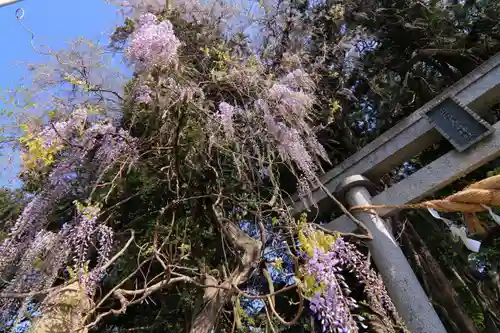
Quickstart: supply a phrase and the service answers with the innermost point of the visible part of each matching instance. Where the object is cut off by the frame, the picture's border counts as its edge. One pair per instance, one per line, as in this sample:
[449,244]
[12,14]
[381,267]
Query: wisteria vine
[265,125]
[324,271]
[65,149]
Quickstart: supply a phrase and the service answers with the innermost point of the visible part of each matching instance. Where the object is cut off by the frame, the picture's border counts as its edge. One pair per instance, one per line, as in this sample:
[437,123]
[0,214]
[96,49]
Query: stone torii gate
[8,2]
[455,114]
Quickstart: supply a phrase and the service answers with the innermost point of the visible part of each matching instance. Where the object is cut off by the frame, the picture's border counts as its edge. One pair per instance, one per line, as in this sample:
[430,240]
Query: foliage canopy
[161,201]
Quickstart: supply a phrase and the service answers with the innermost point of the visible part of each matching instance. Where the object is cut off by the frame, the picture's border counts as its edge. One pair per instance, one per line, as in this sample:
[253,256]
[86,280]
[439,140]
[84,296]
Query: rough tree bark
[443,291]
[215,298]
[63,311]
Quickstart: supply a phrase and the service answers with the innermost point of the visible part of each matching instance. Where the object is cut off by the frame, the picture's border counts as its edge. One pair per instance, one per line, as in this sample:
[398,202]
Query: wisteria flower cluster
[288,111]
[79,235]
[374,288]
[37,255]
[144,95]
[285,106]
[30,222]
[39,147]
[285,110]
[194,11]
[153,43]
[29,272]
[330,300]
[226,114]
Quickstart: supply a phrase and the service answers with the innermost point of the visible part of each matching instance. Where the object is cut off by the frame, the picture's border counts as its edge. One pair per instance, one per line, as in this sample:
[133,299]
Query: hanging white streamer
[472,244]
[494,216]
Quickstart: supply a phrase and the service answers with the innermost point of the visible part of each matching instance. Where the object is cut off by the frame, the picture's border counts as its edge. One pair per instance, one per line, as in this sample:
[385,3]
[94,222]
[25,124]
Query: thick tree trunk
[63,311]
[214,299]
[442,288]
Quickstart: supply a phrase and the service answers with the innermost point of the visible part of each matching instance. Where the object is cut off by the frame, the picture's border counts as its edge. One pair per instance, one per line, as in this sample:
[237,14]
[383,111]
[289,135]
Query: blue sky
[54,22]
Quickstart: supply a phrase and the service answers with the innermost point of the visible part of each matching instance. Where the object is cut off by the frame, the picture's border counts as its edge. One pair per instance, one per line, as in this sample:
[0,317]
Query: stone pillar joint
[401,283]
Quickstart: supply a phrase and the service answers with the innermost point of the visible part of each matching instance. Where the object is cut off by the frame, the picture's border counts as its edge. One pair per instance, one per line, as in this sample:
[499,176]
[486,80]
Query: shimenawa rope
[471,199]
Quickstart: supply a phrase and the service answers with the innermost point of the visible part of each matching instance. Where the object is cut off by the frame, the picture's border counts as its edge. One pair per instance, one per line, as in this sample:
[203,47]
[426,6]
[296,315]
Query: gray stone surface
[402,285]
[8,2]
[478,90]
[461,126]
[432,177]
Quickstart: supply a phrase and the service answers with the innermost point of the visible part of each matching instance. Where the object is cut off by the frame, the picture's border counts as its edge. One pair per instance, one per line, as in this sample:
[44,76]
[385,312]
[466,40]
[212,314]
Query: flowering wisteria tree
[167,196]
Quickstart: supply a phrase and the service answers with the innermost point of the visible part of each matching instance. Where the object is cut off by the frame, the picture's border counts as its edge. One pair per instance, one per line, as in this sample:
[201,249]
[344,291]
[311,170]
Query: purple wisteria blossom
[374,288]
[226,113]
[30,222]
[287,111]
[28,274]
[290,145]
[332,304]
[304,190]
[114,145]
[38,255]
[282,117]
[289,100]
[79,235]
[105,238]
[153,43]
[143,95]
[298,80]
[56,133]
[84,231]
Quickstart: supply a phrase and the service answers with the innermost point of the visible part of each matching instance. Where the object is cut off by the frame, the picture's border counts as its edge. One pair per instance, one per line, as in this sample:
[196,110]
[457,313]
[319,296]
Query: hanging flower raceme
[331,303]
[153,43]
[299,80]
[79,235]
[287,112]
[29,272]
[113,144]
[143,95]
[32,257]
[328,259]
[280,116]
[38,148]
[29,223]
[226,114]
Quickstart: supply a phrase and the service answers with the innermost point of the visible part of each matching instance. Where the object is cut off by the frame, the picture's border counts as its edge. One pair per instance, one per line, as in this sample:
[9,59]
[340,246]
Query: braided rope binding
[470,200]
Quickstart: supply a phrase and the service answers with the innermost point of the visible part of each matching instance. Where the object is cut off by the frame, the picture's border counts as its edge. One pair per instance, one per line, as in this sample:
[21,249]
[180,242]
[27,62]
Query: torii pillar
[402,285]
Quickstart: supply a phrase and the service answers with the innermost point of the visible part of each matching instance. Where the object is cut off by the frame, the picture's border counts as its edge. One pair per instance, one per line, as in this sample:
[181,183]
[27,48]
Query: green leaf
[51,113]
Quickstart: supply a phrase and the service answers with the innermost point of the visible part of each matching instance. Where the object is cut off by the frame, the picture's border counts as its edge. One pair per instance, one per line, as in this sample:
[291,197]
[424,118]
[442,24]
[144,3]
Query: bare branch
[119,253]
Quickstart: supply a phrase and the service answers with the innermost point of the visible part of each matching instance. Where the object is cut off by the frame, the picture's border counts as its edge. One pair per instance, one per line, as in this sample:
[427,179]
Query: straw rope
[470,200]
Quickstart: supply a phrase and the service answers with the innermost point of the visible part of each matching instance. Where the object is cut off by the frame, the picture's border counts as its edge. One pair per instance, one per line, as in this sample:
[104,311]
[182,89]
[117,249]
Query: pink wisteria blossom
[153,43]
[100,143]
[143,95]
[226,113]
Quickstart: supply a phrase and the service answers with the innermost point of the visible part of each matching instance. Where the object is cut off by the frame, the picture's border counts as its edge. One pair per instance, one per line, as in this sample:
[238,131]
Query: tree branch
[216,298]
